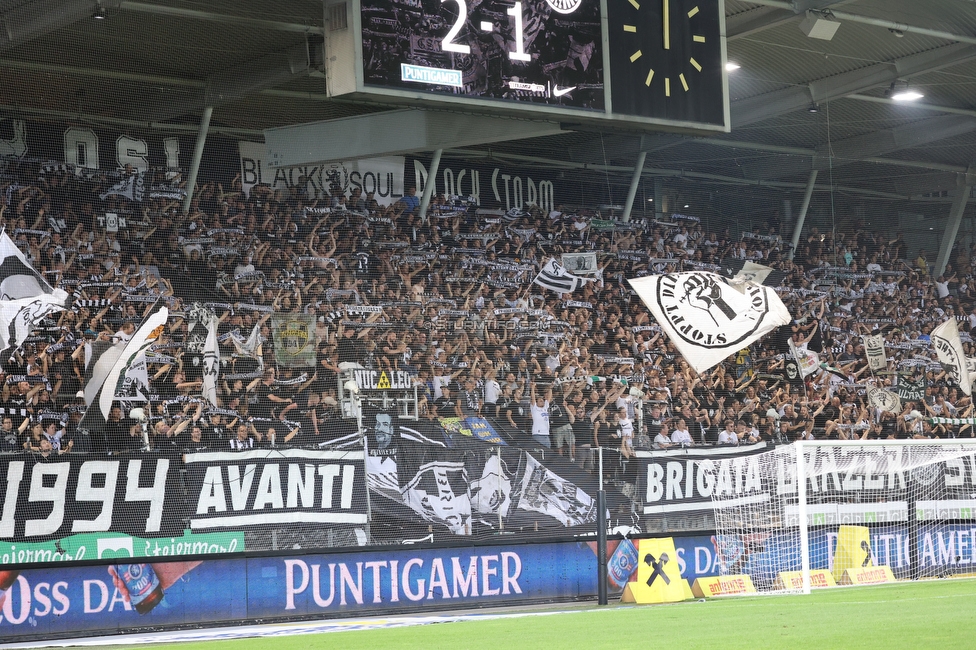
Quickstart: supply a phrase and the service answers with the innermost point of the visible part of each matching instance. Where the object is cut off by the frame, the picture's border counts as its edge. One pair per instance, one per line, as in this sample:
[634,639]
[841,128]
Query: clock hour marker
[487,26]
[683,82]
[634,2]
[698,39]
[693,12]
[630,28]
[666,19]
[636,55]
[667,87]
[650,75]
[696,64]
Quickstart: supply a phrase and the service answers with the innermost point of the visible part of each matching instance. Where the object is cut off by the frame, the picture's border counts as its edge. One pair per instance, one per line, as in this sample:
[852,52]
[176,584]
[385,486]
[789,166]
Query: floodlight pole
[601,535]
[435,163]
[191,181]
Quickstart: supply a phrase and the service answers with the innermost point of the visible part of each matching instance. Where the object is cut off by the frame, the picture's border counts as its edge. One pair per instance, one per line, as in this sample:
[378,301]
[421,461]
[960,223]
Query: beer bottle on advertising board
[7,579]
[145,590]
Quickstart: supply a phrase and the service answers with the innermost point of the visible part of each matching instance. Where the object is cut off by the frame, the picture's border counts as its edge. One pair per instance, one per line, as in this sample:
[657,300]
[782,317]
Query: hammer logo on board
[658,568]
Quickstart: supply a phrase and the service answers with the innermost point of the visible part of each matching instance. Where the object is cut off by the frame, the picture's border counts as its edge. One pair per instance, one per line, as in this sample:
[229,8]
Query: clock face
[666,59]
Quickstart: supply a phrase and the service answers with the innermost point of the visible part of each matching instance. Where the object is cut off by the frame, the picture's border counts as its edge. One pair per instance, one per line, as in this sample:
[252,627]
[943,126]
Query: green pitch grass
[927,614]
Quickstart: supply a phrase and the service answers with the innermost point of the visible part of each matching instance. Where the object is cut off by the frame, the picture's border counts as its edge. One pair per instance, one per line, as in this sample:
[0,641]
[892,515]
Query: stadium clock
[666,59]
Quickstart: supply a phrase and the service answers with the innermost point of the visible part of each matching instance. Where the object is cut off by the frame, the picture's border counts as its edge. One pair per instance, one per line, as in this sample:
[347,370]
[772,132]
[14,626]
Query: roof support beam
[870,145]
[769,105]
[245,79]
[755,20]
[33,19]
[224,19]
[952,228]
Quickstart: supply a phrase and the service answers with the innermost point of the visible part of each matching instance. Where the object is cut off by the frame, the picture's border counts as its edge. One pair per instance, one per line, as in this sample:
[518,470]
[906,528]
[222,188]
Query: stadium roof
[159,63]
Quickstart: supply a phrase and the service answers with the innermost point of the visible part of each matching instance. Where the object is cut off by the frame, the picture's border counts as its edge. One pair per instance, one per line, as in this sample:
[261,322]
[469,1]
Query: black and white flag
[555,278]
[945,340]
[211,363]
[25,296]
[747,270]
[580,263]
[544,492]
[883,399]
[131,187]
[874,349]
[706,317]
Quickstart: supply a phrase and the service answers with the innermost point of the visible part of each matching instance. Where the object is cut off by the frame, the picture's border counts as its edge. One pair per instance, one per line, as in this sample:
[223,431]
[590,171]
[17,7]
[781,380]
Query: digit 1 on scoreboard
[519,53]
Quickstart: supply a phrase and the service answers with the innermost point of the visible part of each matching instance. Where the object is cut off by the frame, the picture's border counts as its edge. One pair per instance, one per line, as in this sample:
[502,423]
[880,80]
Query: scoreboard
[640,64]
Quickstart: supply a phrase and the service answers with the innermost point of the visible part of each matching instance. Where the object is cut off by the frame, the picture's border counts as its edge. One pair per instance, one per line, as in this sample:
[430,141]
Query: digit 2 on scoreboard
[527,51]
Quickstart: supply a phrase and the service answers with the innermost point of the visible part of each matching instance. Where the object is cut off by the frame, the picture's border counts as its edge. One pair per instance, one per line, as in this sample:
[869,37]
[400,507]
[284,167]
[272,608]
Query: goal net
[863,506]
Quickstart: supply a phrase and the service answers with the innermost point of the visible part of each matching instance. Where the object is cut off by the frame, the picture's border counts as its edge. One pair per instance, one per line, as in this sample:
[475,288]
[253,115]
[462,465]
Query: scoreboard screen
[533,51]
[647,62]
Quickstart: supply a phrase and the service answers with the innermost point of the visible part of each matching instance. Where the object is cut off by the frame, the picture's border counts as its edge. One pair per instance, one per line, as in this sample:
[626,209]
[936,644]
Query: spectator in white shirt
[662,440]
[727,435]
[681,431]
[681,435]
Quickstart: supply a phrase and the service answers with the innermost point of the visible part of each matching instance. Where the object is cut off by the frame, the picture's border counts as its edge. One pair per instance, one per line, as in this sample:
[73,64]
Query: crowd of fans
[452,302]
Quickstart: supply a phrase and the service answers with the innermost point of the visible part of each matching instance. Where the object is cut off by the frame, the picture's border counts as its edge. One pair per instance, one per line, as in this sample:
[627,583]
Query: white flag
[146,335]
[885,400]
[707,318]
[874,349]
[25,296]
[555,278]
[808,360]
[211,363]
[945,340]
[131,187]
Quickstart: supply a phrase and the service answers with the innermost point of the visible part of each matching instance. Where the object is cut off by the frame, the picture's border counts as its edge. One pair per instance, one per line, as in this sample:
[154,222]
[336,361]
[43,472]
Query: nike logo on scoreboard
[559,92]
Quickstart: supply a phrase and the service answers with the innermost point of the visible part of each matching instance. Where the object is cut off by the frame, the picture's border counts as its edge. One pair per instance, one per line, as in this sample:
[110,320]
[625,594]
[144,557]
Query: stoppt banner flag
[706,317]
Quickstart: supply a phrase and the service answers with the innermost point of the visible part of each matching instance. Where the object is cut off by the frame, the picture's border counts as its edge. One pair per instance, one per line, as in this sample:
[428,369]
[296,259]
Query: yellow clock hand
[667,25]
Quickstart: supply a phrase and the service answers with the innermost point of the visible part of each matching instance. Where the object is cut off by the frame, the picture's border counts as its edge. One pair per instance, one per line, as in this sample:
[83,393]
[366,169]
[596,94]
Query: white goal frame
[802,451]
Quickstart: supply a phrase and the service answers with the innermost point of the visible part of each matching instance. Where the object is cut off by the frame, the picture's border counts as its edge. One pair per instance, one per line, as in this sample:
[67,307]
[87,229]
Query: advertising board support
[601,535]
[357,406]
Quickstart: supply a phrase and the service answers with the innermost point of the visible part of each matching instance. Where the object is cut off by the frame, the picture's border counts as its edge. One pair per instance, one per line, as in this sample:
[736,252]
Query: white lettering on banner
[132,151]
[271,500]
[81,147]
[383,379]
[89,474]
[440,580]
[16,146]
[55,495]
[518,192]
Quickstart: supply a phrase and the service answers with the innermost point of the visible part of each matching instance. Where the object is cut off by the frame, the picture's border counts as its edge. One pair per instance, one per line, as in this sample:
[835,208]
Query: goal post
[864,511]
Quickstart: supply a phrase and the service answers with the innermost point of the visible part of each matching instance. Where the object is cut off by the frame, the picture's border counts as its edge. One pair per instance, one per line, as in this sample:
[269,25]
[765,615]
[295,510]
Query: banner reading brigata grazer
[275,487]
[683,481]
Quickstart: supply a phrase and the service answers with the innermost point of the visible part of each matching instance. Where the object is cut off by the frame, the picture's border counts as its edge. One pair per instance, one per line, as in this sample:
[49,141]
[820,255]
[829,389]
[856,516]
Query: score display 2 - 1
[531,51]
